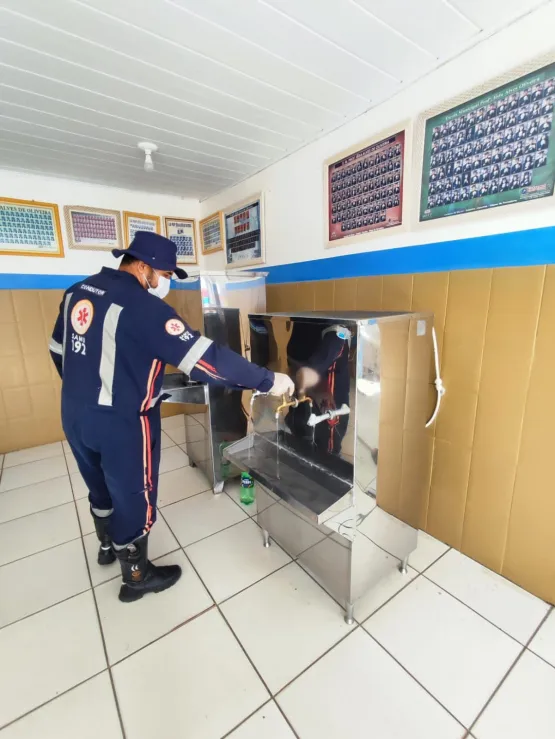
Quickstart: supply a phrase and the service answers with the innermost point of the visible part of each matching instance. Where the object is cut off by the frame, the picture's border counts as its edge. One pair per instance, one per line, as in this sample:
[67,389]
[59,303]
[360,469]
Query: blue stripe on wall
[37,282]
[515,249]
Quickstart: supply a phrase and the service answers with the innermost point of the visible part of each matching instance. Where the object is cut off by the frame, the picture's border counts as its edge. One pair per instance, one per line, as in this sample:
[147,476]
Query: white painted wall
[293,188]
[69,192]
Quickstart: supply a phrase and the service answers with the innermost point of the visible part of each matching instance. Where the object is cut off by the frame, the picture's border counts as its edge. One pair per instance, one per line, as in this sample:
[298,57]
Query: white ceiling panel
[63,73]
[347,25]
[170,20]
[125,156]
[133,101]
[149,70]
[176,155]
[494,13]
[145,123]
[125,134]
[131,169]
[436,27]
[60,167]
[224,88]
[106,25]
[288,40]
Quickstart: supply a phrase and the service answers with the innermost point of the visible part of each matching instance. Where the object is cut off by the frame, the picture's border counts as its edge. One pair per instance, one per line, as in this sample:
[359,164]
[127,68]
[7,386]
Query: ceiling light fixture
[149,150]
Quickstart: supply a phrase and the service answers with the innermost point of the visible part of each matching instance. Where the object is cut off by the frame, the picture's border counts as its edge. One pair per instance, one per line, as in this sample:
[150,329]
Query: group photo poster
[495,149]
[363,188]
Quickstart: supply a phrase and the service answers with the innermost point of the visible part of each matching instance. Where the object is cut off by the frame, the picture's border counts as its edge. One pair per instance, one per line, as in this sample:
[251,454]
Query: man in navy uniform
[111,342]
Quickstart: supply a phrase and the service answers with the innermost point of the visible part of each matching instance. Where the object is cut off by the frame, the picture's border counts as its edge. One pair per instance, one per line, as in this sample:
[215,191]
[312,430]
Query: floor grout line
[36,482]
[227,623]
[189,497]
[411,581]
[46,608]
[30,461]
[46,549]
[405,669]
[67,502]
[162,636]
[524,649]
[441,587]
[215,605]
[244,721]
[50,700]
[101,630]
[41,510]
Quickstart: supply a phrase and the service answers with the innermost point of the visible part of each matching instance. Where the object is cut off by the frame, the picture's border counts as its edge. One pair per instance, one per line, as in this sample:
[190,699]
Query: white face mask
[162,289]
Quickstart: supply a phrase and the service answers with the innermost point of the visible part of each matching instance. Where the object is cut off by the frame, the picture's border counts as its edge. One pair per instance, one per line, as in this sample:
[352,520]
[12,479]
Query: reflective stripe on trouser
[119,458]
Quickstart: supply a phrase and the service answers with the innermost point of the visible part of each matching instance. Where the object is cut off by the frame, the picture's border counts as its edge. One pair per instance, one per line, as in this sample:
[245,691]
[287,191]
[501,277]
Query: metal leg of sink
[349,614]
[266,536]
[219,488]
[403,567]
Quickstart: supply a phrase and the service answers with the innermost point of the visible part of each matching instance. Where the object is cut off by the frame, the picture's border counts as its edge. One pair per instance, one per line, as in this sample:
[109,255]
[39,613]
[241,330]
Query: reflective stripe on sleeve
[66,310]
[196,352]
[108,353]
[55,347]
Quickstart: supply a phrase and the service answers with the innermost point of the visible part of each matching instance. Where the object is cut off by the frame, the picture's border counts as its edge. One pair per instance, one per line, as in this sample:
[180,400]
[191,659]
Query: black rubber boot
[139,575]
[105,554]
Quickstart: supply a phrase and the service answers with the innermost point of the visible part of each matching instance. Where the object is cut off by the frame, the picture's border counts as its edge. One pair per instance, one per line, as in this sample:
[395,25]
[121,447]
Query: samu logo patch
[82,316]
[175,327]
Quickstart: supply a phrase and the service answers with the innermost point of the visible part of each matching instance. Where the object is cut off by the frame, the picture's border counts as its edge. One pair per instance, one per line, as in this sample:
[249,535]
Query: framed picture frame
[244,233]
[95,229]
[29,228]
[182,231]
[491,146]
[212,231]
[364,187]
[133,222]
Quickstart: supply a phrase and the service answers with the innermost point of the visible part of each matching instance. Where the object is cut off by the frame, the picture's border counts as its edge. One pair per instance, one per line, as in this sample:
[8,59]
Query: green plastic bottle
[225,464]
[247,489]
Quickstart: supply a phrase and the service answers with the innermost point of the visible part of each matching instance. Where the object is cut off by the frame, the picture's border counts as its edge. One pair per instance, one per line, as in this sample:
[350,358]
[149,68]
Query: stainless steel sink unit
[342,473]
[221,302]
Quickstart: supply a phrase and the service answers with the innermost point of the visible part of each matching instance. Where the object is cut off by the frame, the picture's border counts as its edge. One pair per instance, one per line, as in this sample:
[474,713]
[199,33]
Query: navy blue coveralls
[111,342]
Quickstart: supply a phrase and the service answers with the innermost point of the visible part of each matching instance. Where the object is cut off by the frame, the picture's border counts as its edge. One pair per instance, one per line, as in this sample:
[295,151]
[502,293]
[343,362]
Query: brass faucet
[293,403]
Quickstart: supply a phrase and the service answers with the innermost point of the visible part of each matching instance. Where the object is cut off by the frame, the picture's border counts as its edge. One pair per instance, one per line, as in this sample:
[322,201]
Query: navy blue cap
[157,251]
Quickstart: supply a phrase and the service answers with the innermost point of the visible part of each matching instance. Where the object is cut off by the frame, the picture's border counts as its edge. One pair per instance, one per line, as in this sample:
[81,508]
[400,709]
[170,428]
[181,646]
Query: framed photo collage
[490,147]
[32,228]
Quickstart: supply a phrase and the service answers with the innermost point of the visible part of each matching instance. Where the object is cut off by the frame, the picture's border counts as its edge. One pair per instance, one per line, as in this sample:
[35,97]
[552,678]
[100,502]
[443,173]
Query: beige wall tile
[7,313]
[324,295]
[12,372]
[447,501]
[397,292]
[305,296]
[465,326]
[369,293]
[506,365]
[345,294]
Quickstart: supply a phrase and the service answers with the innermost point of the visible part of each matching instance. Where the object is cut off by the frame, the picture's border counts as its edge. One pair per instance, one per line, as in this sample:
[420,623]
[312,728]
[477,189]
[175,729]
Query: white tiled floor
[247,645]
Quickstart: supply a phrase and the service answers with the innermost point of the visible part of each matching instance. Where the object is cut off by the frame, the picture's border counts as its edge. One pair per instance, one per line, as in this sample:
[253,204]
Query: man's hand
[283,385]
[307,378]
